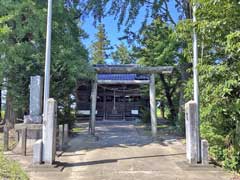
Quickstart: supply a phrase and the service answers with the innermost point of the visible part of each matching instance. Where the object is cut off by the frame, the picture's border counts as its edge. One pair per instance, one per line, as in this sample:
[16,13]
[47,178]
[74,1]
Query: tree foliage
[218,32]
[127,11]
[100,46]
[123,55]
[22,49]
[158,47]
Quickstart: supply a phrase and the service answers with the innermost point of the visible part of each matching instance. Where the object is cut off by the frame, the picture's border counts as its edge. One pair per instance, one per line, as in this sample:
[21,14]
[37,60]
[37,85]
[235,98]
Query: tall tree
[0,105]
[100,46]
[159,47]
[218,31]
[219,78]
[123,55]
[22,47]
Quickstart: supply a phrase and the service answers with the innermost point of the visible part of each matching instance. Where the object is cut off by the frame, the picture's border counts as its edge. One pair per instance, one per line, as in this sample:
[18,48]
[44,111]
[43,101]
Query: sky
[111,27]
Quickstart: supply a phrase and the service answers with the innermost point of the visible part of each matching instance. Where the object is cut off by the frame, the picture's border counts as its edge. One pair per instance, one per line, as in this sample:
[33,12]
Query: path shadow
[105,161]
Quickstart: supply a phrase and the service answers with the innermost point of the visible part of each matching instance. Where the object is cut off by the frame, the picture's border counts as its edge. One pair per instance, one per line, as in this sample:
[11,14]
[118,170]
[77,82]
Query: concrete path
[118,152]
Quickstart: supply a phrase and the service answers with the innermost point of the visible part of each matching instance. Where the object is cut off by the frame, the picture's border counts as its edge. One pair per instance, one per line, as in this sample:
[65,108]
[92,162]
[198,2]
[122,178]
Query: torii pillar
[93,106]
[153,112]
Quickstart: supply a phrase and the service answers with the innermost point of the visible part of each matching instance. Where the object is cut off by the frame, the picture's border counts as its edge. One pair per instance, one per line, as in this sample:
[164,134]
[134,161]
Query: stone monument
[192,137]
[192,129]
[35,108]
[34,117]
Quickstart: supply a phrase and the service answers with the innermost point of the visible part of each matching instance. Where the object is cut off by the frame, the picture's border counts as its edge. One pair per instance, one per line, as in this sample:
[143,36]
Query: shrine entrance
[120,96]
[120,102]
[114,109]
[112,104]
[115,105]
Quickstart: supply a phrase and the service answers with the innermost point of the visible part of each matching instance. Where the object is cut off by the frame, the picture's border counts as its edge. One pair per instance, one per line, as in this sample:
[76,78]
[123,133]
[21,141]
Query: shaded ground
[122,152]
[8,168]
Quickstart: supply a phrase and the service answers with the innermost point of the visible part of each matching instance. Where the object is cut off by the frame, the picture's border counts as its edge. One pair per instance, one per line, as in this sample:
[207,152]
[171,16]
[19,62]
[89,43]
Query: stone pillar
[65,133]
[204,152]
[93,106]
[60,137]
[192,135]
[36,88]
[152,95]
[49,126]
[37,152]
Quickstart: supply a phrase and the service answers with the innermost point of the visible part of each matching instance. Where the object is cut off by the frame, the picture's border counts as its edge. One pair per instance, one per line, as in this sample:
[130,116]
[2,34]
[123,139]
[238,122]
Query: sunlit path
[119,152]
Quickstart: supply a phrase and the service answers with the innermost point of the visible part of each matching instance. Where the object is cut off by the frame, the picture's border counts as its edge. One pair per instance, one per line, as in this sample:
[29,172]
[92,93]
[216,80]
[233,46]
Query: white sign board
[134,112]
[84,112]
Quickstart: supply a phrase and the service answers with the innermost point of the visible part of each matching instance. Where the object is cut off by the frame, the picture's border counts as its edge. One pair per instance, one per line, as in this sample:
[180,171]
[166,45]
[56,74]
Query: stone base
[30,119]
[197,167]
[32,137]
[55,167]
[34,134]
[37,152]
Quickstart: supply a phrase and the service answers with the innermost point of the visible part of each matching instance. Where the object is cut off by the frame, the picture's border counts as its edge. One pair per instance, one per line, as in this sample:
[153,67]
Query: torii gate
[143,70]
[129,70]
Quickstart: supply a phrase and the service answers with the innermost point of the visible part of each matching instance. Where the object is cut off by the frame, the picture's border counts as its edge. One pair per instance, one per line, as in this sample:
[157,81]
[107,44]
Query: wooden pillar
[24,141]
[104,103]
[124,105]
[93,106]
[152,94]
[5,138]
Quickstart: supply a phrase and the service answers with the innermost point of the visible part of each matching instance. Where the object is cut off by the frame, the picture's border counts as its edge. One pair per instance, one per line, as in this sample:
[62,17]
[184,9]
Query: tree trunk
[169,99]
[2,120]
[183,69]
[0,106]
[162,112]
[9,113]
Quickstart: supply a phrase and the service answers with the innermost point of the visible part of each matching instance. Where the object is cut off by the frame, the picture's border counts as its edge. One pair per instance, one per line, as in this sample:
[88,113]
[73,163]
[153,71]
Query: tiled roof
[126,77]
[117,65]
[119,77]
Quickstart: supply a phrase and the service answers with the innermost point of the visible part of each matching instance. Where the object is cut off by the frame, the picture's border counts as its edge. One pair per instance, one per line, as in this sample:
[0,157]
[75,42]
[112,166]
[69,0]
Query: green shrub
[145,115]
[231,159]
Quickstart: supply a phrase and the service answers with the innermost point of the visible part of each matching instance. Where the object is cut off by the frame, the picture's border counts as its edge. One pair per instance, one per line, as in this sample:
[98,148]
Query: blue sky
[111,26]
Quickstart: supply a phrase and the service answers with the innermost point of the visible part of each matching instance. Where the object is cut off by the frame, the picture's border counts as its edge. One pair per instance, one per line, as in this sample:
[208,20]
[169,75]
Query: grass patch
[2,114]
[167,129]
[158,113]
[77,129]
[10,170]
[183,141]
[162,126]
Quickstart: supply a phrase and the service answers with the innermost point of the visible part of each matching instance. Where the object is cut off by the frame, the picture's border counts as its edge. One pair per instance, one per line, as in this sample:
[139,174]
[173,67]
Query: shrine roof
[121,77]
[125,77]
